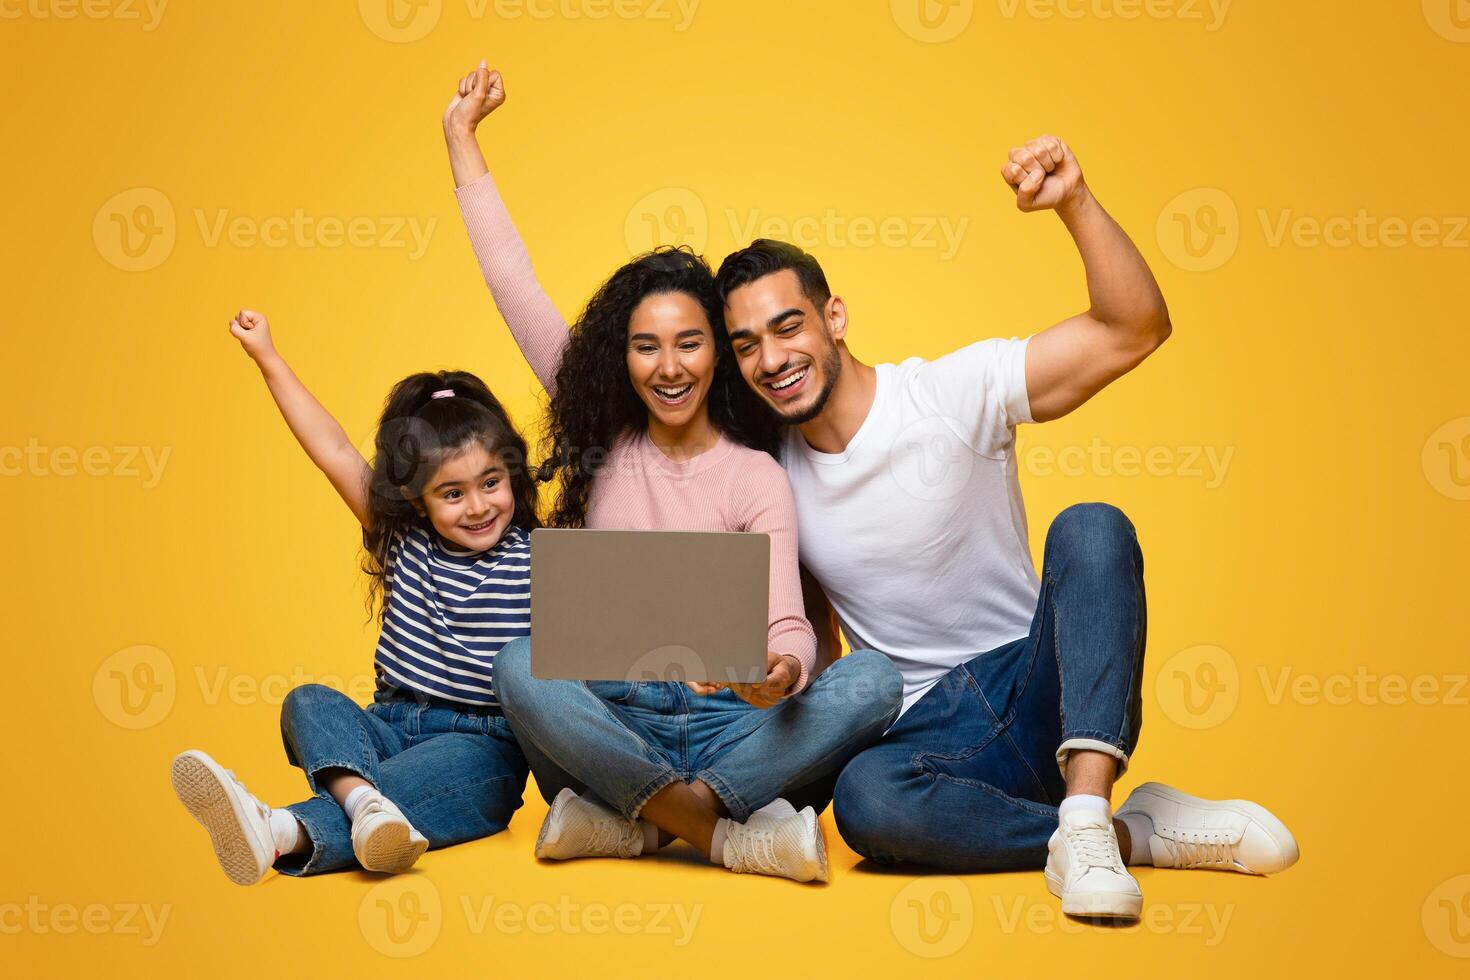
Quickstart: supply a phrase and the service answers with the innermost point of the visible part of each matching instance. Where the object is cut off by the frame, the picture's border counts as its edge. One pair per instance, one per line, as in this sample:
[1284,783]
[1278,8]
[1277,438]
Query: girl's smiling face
[469,500]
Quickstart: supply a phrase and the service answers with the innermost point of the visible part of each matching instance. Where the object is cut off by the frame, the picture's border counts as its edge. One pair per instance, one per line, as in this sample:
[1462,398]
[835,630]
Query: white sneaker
[1228,835]
[238,824]
[1085,870]
[577,827]
[383,839]
[776,840]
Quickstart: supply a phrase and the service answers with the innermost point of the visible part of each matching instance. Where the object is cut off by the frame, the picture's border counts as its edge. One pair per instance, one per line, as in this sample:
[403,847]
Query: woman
[653,429]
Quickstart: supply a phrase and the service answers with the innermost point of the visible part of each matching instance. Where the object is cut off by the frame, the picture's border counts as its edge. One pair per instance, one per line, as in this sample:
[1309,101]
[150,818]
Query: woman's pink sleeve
[539,330]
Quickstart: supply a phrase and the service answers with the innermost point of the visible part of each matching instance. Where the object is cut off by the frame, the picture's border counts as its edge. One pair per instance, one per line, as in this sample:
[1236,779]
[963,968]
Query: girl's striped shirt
[448,612]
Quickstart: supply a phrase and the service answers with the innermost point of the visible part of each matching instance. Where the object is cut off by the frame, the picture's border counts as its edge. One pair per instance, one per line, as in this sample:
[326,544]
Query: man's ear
[836,313]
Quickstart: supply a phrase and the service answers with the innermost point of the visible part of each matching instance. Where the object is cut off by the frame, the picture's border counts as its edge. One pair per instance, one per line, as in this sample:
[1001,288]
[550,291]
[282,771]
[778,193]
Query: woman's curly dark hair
[594,402]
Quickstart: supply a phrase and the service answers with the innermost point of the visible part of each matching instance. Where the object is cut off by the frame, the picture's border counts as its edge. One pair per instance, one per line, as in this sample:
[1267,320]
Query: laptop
[649,605]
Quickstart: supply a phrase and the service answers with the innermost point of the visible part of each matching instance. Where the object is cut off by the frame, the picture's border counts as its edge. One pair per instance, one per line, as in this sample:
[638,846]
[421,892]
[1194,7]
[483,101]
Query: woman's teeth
[673,394]
[788,382]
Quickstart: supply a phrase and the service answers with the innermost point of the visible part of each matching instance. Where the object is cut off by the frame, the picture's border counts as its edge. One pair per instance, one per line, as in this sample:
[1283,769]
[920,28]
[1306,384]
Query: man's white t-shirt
[916,531]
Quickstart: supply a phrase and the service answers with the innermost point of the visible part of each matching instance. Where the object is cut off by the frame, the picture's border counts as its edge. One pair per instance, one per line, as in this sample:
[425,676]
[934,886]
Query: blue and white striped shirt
[449,612]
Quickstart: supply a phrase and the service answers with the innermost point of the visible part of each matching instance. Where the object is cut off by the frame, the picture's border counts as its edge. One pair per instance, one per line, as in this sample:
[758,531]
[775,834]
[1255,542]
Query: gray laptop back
[649,605]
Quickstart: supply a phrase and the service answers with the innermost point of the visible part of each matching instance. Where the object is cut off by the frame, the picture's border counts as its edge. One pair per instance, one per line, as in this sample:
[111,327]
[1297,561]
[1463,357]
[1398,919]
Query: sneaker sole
[1099,905]
[821,843]
[1267,820]
[557,805]
[391,848]
[202,791]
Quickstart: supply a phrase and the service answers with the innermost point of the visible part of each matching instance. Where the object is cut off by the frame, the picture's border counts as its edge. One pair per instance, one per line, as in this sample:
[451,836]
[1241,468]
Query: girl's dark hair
[594,402]
[416,433]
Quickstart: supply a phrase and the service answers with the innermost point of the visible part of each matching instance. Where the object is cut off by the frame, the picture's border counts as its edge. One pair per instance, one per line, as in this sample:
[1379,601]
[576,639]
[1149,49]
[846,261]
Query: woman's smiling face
[671,356]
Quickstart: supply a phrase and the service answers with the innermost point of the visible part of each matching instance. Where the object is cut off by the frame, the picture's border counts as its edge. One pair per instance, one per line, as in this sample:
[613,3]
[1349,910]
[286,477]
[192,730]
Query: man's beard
[831,369]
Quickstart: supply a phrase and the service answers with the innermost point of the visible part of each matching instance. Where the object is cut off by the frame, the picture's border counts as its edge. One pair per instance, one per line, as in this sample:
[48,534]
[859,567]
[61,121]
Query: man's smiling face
[786,347]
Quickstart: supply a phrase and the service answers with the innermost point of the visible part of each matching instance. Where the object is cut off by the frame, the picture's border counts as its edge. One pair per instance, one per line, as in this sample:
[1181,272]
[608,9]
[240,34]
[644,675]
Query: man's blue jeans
[625,741]
[456,775]
[970,777]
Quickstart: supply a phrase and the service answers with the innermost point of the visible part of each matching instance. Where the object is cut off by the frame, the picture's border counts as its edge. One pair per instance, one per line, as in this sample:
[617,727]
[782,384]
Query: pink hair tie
[446,393]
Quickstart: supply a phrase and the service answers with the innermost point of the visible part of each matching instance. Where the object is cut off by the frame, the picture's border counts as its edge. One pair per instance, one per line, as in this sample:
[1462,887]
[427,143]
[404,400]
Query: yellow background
[1331,549]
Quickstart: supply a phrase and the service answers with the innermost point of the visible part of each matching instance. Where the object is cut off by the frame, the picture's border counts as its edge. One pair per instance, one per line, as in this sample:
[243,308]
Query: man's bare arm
[1127,319]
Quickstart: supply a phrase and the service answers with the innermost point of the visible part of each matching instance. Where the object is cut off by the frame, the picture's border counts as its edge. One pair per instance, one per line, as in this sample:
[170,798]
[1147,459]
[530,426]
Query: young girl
[446,509]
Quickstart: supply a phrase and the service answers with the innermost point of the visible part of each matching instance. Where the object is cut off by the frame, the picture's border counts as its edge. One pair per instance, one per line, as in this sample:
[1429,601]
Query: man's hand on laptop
[782,672]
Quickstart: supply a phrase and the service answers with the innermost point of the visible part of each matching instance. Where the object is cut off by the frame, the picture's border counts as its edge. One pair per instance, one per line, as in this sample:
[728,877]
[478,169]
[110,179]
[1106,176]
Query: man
[1021,694]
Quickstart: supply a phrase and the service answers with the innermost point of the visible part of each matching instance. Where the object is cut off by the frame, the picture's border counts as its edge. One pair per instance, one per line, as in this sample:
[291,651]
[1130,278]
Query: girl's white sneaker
[238,823]
[383,839]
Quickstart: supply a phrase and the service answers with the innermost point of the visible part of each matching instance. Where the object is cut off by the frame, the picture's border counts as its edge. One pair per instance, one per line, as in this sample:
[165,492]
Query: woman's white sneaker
[1227,835]
[238,824]
[778,841]
[1085,870]
[577,827]
[382,838]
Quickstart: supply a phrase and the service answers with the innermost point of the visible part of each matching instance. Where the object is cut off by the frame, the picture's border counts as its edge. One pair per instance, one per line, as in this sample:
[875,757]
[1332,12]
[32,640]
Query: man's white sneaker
[577,827]
[1229,835]
[778,841]
[238,824]
[1085,870]
[383,839]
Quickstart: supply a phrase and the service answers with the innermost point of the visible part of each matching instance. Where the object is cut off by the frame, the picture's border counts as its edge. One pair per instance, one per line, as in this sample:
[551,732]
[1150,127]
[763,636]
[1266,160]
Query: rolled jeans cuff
[1094,745]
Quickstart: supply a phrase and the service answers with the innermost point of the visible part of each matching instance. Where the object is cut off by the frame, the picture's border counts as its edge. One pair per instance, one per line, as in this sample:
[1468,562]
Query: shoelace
[755,850]
[613,836]
[1198,850]
[1094,847]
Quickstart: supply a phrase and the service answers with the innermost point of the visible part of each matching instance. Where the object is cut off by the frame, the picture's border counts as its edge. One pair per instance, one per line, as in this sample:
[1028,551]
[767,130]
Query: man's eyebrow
[775,321]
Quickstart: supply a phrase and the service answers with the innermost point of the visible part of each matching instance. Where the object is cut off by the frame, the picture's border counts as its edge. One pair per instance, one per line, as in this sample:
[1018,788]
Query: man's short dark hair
[764,256]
